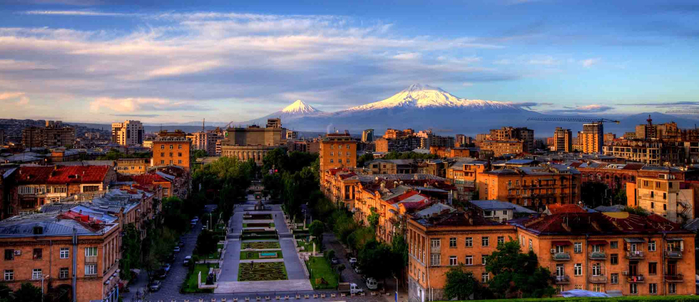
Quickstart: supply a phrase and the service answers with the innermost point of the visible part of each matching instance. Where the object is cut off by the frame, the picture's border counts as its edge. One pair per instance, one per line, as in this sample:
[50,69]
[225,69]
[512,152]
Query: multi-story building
[441,239]
[617,176]
[592,138]
[128,133]
[652,152]
[667,131]
[562,140]
[501,147]
[609,138]
[524,135]
[368,136]
[132,165]
[63,250]
[617,253]
[662,195]
[253,142]
[338,150]
[171,149]
[54,134]
[396,134]
[2,137]
[532,187]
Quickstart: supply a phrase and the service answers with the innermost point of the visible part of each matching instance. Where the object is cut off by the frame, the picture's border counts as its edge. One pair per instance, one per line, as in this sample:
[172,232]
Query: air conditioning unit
[18,252]
[553,251]
[625,273]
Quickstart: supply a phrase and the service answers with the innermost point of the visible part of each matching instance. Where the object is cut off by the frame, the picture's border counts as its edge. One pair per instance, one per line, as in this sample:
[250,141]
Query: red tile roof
[61,175]
[598,224]
[148,179]
[556,208]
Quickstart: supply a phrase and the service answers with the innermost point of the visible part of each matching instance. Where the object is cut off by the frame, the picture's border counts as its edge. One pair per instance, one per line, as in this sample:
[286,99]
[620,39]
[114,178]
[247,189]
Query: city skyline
[173,62]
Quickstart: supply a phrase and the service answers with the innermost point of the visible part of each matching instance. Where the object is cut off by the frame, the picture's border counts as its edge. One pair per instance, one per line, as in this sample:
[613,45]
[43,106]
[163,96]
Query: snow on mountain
[299,107]
[425,96]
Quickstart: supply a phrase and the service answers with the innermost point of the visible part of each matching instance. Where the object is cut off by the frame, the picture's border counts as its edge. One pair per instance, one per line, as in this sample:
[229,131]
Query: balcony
[597,256]
[598,279]
[90,259]
[635,279]
[634,255]
[562,279]
[673,254]
[676,278]
[435,249]
[562,256]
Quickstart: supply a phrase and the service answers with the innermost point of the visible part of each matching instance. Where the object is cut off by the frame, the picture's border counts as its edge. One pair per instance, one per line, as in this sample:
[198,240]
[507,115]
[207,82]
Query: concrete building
[128,133]
[592,138]
[562,140]
[525,135]
[667,131]
[501,211]
[67,250]
[500,147]
[253,142]
[171,148]
[662,195]
[338,150]
[652,152]
[54,134]
[368,136]
[132,166]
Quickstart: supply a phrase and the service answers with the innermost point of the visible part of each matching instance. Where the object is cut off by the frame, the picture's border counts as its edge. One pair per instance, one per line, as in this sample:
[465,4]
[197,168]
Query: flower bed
[256,255]
[258,245]
[262,271]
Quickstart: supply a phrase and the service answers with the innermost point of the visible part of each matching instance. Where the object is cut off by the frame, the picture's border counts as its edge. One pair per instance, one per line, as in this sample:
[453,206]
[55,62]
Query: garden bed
[258,225]
[261,245]
[190,284]
[256,255]
[257,216]
[323,276]
[262,271]
[257,237]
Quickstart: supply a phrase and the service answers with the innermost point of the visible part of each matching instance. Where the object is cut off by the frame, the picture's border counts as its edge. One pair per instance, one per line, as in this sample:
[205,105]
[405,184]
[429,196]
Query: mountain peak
[299,107]
[420,87]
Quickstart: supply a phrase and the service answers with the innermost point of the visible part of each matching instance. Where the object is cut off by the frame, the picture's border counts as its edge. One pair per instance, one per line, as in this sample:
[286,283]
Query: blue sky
[104,61]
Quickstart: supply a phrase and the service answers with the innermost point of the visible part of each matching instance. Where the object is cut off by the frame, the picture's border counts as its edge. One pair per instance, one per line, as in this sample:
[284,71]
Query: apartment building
[132,166]
[532,187]
[67,251]
[128,133]
[562,140]
[617,253]
[54,134]
[338,150]
[500,148]
[368,136]
[525,135]
[662,195]
[443,238]
[592,138]
[172,149]
[652,152]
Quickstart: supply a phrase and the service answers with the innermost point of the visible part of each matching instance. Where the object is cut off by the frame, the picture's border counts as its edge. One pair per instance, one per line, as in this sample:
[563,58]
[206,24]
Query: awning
[597,242]
[674,239]
[634,240]
[561,243]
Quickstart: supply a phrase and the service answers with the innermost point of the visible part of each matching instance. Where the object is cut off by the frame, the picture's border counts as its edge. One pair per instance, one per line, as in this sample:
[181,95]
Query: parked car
[335,260]
[353,261]
[166,267]
[161,274]
[372,284]
[177,249]
[349,288]
[154,286]
[181,244]
[187,260]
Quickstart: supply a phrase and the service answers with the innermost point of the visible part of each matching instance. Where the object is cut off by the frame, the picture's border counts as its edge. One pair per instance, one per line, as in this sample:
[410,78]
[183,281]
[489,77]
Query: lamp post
[394,276]
[42,286]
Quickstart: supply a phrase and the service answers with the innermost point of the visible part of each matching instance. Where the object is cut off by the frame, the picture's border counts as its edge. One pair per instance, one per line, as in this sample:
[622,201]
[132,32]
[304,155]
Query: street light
[42,286]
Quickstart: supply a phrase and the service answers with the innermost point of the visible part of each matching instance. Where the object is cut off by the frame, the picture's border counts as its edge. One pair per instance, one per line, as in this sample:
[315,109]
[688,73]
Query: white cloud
[544,60]
[76,13]
[10,95]
[407,56]
[589,62]
[17,99]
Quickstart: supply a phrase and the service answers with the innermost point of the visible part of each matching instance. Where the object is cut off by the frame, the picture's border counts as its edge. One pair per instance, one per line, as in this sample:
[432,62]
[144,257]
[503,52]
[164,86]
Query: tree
[516,274]
[6,293]
[376,260]
[199,154]
[131,257]
[28,293]
[207,243]
[364,159]
[620,197]
[637,211]
[594,194]
[373,218]
[461,284]
[360,237]
[316,229]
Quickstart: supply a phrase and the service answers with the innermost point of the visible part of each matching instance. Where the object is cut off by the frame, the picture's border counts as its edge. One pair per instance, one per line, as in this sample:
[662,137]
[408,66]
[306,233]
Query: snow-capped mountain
[299,107]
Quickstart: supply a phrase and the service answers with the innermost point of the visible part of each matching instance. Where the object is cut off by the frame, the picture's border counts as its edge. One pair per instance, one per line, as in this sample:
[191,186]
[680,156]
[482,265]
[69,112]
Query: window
[615,278]
[633,288]
[162,147]
[36,274]
[598,288]
[452,242]
[170,154]
[672,288]
[469,241]
[436,243]
[651,246]
[577,269]
[652,288]
[339,161]
[331,160]
[90,269]
[179,146]
[162,154]
[521,240]
[332,153]
[578,286]
[63,273]
[469,260]
[484,259]
[172,147]
[9,275]
[577,248]
[485,277]
[9,254]
[501,239]
[435,259]
[664,195]
[485,241]
[91,251]
[664,207]
[179,161]
[597,269]
[162,162]
[171,162]
[531,245]
[36,255]
[614,259]
[452,260]
[179,154]
[614,245]
[652,268]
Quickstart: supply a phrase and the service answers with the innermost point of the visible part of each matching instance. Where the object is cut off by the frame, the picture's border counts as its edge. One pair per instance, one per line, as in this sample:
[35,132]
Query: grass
[258,225]
[190,283]
[256,255]
[258,216]
[323,276]
[307,246]
[621,299]
[262,271]
[261,245]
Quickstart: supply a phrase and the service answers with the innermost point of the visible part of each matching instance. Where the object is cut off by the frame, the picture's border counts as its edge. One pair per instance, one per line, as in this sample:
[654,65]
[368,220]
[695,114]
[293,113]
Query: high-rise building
[338,150]
[592,138]
[510,133]
[368,136]
[171,148]
[562,140]
[128,133]
[52,135]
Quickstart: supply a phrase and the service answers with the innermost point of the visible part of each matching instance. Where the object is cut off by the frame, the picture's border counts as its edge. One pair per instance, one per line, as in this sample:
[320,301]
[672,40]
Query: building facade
[128,133]
[131,166]
[54,134]
[562,140]
[525,135]
[592,138]
[368,136]
[172,149]
[338,150]
[253,142]
[500,148]
[662,195]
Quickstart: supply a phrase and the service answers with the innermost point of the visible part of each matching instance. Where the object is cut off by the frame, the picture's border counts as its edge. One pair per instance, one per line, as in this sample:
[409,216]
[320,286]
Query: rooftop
[52,224]
[496,205]
[598,224]
[61,175]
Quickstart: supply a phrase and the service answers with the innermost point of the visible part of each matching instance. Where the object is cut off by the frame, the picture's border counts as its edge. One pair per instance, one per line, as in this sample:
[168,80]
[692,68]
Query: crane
[572,119]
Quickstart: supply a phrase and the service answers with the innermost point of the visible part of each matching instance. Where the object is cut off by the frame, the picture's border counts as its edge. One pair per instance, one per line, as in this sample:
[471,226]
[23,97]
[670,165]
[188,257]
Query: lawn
[308,247]
[190,283]
[262,271]
[261,245]
[256,255]
[323,276]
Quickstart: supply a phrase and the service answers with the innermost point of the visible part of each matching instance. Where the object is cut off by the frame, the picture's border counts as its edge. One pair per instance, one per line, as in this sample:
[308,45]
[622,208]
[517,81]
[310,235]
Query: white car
[372,284]
[176,249]
[187,260]
[353,261]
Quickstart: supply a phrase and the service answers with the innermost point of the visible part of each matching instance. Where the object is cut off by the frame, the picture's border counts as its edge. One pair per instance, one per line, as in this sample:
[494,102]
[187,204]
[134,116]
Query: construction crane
[572,120]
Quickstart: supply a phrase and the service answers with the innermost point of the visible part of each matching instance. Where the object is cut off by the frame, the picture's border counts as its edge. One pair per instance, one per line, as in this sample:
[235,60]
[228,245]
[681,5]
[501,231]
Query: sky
[172,62]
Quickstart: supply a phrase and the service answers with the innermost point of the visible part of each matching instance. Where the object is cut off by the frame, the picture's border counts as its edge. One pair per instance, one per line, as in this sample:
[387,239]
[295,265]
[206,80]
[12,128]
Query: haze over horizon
[175,62]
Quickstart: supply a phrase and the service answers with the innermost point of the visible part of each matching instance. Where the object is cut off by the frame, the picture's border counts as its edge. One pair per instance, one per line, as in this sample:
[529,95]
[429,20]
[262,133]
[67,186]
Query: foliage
[594,194]
[278,159]
[409,155]
[620,197]
[364,159]
[377,261]
[114,154]
[316,229]
[322,274]
[518,275]
[637,210]
[131,256]
[460,284]
[373,218]
[174,214]
[342,224]
[225,179]
[206,243]
[28,293]
[320,206]
[261,271]
[190,284]
[6,293]
[360,237]
[399,247]
[199,154]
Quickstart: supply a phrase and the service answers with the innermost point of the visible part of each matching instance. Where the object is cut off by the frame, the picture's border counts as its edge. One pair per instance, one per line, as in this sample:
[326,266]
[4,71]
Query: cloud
[407,56]
[14,99]
[136,115]
[141,104]
[528,105]
[544,60]
[10,95]
[589,62]
[687,103]
[593,108]
[77,13]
